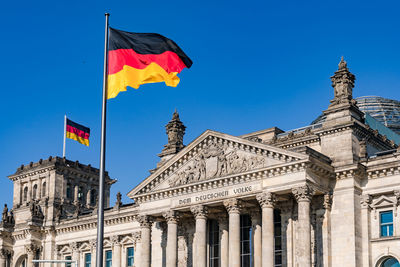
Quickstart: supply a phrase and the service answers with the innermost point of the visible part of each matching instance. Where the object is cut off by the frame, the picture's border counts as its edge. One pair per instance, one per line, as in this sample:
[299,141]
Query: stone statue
[4,216]
[118,203]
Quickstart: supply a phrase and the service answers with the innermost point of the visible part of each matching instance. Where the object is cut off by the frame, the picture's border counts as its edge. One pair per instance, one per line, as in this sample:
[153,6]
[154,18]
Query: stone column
[365,210]
[224,239]
[200,213]
[233,206]
[172,238]
[116,257]
[145,227]
[76,190]
[303,195]
[267,201]
[257,237]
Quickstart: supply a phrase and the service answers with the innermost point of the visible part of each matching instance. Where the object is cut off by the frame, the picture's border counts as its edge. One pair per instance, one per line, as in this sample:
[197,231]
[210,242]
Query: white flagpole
[65,134]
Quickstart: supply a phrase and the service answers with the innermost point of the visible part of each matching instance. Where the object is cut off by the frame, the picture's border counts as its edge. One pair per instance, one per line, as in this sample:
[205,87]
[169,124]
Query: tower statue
[175,131]
[343,84]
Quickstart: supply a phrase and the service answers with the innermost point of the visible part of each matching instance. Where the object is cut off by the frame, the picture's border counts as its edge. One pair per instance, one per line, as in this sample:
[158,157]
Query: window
[386,223]
[390,262]
[129,257]
[25,194]
[246,259]
[23,263]
[80,194]
[213,237]
[68,258]
[88,260]
[93,197]
[108,258]
[69,192]
[34,191]
[44,189]
[277,238]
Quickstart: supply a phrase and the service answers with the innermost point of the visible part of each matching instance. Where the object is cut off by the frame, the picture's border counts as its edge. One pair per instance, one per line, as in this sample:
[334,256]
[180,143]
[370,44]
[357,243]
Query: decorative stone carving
[175,132]
[4,253]
[266,199]
[93,243]
[397,195]
[136,236]
[228,161]
[115,240]
[303,193]
[199,211]
[343,83]
[32,248]
[73,246]
[144,220]
[36,210]
[366,201]
[4,215]
[59,213]
[171,216]
[233,205]
[327,201]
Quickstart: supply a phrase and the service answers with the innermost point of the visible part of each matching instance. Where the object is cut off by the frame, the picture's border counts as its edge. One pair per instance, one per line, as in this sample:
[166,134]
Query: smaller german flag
[78,132]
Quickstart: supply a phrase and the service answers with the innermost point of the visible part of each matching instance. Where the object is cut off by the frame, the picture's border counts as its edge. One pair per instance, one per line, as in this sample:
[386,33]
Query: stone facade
[314,196]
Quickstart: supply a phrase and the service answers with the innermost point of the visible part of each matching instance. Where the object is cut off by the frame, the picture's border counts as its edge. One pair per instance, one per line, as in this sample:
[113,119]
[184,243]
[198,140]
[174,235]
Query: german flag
[78,132]
[138,58]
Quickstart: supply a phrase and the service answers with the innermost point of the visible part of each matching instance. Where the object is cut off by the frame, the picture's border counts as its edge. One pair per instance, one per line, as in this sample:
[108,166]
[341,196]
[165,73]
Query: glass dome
[386,111]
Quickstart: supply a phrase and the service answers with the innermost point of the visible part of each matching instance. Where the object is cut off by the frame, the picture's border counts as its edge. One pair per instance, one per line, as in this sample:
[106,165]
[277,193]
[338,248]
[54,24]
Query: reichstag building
[327,194]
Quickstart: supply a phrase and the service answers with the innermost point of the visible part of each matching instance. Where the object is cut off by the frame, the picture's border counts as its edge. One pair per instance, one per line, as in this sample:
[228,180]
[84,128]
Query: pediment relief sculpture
[216,160]
[214,155]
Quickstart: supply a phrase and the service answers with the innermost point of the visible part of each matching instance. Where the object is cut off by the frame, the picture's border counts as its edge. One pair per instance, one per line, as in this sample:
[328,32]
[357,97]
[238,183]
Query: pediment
[214,155]
[383,201]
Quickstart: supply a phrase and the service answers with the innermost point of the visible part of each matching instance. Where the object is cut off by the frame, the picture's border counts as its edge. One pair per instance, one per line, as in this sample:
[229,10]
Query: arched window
[34,191]
[93,197]
[44,189]
[25,194]
[390,262]
[80,194]
[69,192]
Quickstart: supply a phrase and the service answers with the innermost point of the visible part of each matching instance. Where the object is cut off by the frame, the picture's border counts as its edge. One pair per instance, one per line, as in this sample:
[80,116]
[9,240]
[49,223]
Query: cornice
[91,222]
[221,182]
[357,171]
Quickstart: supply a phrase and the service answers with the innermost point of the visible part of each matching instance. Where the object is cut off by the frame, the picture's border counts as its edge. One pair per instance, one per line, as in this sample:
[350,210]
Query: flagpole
[65,134]
[100,212]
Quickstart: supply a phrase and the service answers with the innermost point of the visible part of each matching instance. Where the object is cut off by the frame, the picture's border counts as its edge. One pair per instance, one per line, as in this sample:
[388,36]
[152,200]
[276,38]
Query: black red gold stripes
[77,132]
[138,58]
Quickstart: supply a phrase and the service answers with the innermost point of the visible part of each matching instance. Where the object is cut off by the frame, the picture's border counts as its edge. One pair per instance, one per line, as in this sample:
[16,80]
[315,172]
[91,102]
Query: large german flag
[138,58]
[77,132]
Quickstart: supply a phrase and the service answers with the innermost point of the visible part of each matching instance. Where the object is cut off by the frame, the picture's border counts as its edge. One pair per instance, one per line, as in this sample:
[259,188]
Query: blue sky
[257,64]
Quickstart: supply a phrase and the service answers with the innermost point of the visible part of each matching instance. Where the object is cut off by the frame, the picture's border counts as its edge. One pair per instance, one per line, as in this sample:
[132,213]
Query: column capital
[31,248]
[171,216]
[266,199]
[144,220]
[199,211]
[365,201]
[327,201]
[303,193]
[233,205]
[136,236]
[4,253]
